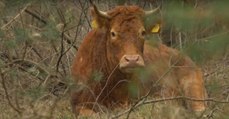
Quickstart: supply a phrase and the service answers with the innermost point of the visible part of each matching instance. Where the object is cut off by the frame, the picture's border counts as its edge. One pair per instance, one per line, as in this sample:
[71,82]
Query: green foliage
[179,16]
[220,7]
[1,63]
[35,93]
[13,74]
[97,76]
[186,18]
[51,32]
[21,35]
[208,49]
[2,5]
[11,6]
[143,74]
[133,89]
[15,3]
[10,44]
[226,117]
[120,2]
[2,34]
[70,81]
[217,44]
[214,86]
[65,117]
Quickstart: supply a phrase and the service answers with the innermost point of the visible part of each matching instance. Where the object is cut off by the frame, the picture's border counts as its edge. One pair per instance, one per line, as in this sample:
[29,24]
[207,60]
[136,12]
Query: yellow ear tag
[156,28]
[94,24]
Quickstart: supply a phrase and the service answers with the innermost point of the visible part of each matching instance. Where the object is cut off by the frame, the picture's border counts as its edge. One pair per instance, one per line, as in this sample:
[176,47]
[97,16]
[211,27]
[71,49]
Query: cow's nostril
[127,59]
[129,62]
[132,58]
[137,58]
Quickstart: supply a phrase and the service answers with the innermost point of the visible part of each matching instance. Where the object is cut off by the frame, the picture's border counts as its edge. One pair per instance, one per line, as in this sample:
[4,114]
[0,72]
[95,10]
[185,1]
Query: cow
[113,56]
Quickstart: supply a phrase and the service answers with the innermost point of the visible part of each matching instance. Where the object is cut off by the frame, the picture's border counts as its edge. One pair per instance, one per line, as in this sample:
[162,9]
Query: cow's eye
[143,33]
[113,34]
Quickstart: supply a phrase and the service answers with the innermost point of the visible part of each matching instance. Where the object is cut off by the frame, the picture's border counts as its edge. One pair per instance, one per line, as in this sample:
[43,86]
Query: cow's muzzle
[130,62]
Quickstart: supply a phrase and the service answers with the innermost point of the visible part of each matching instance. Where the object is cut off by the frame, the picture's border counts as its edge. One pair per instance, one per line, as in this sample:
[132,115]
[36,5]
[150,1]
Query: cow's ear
[152,21]
[99,18]
[153,26]
[156,28]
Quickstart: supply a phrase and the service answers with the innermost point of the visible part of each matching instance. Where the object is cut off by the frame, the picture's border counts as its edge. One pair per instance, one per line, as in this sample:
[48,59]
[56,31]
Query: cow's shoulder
[91,54]
[81,64]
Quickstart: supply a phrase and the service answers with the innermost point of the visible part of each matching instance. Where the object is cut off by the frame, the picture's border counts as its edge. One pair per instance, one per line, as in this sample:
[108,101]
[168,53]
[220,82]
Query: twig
[61,51]
[35,16]
[67,39]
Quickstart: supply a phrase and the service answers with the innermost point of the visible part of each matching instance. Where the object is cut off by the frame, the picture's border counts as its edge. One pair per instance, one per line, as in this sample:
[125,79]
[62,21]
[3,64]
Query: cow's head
[125,32]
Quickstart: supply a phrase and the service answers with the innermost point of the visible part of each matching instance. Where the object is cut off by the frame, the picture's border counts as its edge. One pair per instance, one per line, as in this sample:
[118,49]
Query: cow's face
[126,41]
[125,36]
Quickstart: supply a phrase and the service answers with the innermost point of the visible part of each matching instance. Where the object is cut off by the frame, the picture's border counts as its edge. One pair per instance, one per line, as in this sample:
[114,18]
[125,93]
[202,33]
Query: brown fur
[100,53]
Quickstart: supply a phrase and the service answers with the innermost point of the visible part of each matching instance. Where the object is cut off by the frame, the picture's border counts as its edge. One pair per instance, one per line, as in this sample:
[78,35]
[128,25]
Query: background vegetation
[39,39]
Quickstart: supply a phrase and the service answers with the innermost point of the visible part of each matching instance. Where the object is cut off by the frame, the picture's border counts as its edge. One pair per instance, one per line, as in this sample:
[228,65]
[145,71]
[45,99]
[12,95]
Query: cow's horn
[101,13]
[147,13]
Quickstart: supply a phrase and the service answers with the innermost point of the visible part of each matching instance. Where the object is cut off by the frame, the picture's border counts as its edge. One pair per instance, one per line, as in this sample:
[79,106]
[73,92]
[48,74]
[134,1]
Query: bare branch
[62,41]
[35,16]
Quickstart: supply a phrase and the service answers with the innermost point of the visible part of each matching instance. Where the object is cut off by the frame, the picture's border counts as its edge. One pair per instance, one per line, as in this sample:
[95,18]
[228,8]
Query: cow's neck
[98,51]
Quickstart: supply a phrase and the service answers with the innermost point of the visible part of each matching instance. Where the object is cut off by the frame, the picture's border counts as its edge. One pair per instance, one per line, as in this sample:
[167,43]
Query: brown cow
[108,56]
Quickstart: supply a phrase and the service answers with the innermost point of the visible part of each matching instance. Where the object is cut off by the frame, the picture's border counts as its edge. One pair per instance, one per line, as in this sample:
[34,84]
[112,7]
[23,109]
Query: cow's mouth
[129,63]
[130,69]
